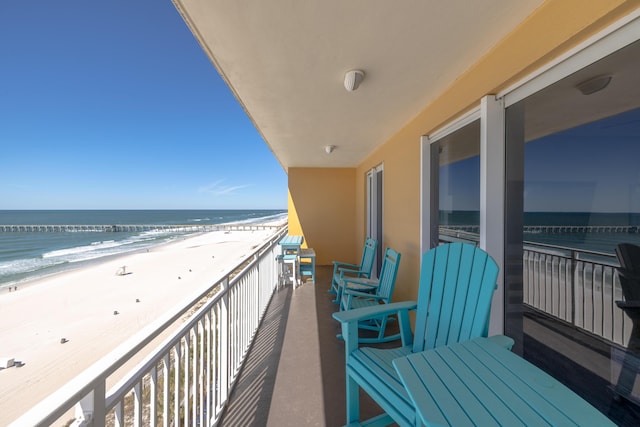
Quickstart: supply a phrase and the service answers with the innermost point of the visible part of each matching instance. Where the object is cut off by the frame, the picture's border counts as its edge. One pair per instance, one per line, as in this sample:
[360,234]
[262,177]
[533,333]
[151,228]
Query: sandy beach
[79,306]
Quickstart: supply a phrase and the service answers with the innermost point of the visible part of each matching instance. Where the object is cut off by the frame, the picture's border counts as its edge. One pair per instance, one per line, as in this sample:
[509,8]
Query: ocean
[597,240]
[25,256]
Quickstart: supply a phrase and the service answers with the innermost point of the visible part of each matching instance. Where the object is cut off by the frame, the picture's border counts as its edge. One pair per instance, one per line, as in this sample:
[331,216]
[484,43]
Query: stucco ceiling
[285,61]
[561,105]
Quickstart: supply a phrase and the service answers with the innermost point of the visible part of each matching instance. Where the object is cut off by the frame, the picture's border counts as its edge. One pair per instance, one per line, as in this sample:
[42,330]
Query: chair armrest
[365,313]
[353,271]
[502,341]
[349,320]
[628,304]
[361,281]
[349,294]
[357,293]
[344,264]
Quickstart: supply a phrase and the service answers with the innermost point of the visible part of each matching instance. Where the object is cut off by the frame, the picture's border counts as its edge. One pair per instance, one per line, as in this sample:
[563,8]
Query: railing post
[257,291]
[176,384]
[153,404]
[224,342]
[574,268]
[90,410]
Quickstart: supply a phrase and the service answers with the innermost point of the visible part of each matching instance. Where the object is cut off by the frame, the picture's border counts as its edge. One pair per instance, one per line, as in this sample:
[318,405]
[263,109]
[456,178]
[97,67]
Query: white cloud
[218,189]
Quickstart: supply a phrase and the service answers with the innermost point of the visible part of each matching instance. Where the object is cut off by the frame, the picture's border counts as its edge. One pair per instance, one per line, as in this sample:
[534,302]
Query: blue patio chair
[343,269]
[353,296]
[628,256]
[457,282]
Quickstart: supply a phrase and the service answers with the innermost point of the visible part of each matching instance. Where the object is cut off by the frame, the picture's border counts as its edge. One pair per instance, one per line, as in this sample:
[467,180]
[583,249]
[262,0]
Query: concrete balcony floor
[294,373]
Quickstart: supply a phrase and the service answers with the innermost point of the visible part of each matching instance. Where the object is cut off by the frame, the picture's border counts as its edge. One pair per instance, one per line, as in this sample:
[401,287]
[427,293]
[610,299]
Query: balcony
[292,373]
[272,357]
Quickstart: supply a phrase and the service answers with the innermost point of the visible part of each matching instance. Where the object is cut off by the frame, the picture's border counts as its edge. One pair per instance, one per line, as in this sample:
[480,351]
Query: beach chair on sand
[353,297]
[457,282]
[342,269]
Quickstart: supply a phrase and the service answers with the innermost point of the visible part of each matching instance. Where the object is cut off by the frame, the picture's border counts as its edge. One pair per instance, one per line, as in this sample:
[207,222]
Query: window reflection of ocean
[597,239]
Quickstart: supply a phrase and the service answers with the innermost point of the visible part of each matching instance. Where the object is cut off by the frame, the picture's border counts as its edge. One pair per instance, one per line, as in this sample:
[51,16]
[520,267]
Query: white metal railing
[577,286]
[187,379]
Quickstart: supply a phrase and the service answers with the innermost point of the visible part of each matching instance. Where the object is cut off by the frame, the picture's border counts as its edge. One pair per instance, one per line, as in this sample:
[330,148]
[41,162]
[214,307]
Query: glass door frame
[606,42]
[375,211]
[490,112]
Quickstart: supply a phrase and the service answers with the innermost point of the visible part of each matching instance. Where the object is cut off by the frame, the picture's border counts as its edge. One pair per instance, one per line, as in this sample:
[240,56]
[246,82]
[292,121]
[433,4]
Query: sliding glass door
[374,212]
[573,196]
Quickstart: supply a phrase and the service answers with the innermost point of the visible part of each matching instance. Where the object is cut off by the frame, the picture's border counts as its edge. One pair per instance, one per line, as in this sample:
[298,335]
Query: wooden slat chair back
[356,298]
[388,275]
[457,282]
[368,257]
[628,256]
[364,269]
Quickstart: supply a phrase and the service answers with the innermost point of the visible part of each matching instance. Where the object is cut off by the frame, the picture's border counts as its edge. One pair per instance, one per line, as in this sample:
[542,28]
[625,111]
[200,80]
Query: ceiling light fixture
[352,79]
[329,148]
[594,84]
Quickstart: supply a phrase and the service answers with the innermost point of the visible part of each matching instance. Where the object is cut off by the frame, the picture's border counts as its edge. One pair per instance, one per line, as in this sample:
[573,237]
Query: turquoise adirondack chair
[359,293]
[343,269]
[457,282]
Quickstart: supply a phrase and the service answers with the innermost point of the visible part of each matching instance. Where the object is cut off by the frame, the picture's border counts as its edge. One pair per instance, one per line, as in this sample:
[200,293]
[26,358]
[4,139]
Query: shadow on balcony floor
[294,373]
[584,363]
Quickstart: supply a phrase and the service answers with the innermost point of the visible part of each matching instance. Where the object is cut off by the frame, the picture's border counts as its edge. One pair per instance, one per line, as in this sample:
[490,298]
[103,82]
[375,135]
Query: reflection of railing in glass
[579,287]
[461,233]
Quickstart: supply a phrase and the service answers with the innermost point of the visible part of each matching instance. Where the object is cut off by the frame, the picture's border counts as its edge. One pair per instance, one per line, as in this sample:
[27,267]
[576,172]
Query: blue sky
[114,105]
[590,168]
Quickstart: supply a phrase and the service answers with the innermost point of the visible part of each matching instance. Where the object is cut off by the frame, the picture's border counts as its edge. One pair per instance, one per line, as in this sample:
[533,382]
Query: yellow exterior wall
[401,208]
[321,207]
[327,206]
[552,29]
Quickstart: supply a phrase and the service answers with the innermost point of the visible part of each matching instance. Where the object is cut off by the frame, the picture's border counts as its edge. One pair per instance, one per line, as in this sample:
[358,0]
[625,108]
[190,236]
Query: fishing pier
[555,229]
[129,228]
